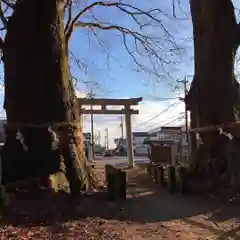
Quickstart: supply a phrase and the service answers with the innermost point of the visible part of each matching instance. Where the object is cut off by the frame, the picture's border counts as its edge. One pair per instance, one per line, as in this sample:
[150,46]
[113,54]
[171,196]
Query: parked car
[108,153]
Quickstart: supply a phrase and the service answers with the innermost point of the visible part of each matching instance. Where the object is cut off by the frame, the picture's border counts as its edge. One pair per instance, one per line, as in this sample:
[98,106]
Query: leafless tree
[214,96]
[35,56]
[148,41]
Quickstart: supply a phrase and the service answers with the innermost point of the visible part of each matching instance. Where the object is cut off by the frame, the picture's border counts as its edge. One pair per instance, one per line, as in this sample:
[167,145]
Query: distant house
[87,138]
[139,145]
[172,133]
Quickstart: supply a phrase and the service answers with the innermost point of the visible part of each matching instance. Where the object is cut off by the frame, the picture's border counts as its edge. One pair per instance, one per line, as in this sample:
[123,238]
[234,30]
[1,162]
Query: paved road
[115,160]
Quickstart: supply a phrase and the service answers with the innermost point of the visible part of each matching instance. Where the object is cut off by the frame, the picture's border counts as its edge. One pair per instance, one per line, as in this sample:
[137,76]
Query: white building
[87,138]
[140,148]
[175,134]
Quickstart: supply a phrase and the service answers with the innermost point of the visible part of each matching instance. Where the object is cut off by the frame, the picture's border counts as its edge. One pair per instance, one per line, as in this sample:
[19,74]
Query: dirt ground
[148,213]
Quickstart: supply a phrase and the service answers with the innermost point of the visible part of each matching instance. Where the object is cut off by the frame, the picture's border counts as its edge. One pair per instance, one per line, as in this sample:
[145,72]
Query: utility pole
[106,139]
[99,137]
[92,128]
[91,95]
[185,81]
[121,126]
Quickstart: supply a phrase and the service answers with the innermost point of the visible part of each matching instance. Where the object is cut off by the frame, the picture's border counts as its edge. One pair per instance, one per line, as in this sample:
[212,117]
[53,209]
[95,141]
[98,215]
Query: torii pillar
[129,137]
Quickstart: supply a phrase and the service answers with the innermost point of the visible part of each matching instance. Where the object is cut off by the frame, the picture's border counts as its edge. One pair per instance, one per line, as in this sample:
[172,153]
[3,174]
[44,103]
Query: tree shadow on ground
[146,203]
[47,209]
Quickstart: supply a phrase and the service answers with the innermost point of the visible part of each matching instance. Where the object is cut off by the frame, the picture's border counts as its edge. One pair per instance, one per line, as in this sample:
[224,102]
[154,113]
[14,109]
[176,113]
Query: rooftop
[140,134]
[160,142]
[87,135]
[167,128]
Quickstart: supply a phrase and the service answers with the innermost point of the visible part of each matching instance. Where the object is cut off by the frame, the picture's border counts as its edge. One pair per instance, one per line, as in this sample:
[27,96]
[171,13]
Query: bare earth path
[148,213]
[166,216]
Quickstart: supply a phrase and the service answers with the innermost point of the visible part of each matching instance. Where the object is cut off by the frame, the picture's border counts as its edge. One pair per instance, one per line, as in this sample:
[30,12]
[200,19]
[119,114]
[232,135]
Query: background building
[87,138]
[175,134]
[140,148]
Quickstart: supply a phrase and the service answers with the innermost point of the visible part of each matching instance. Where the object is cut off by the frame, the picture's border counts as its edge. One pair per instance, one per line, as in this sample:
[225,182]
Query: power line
[165,99]
[165,110]
[179,116]
[174,116]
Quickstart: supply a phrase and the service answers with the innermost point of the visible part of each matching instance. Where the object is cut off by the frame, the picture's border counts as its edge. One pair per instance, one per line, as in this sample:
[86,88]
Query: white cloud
[147,110]
[80,94]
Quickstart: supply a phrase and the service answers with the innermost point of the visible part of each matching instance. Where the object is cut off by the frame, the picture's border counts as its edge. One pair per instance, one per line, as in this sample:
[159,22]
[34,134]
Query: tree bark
[214,94]
[39,91]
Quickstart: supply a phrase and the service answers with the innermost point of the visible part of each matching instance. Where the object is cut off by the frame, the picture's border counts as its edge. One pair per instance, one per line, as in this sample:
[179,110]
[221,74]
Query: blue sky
[112,67]
[105,62]
[116,75]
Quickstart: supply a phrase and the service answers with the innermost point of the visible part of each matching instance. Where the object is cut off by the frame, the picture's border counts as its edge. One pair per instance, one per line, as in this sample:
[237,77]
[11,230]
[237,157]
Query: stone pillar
[129,137]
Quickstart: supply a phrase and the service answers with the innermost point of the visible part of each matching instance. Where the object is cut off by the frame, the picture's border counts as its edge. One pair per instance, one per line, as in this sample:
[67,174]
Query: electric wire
[157,115]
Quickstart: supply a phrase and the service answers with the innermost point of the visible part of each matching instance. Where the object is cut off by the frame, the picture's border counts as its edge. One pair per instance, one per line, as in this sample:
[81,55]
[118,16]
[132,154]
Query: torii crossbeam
[127,111]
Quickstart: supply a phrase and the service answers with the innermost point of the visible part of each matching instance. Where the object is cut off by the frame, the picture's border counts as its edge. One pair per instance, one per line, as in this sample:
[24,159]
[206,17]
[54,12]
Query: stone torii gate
[126,110]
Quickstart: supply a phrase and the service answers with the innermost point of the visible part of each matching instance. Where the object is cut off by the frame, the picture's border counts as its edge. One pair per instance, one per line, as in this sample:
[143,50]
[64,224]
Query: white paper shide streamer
[55,140]
[228,135]
[19,136]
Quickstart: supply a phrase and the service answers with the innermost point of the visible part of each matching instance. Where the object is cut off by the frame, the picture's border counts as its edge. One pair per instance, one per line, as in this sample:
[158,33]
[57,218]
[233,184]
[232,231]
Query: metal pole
[181,145]
[121,125]
[92,131]
[186,113]
[91,95]
[99,137]
[107,140]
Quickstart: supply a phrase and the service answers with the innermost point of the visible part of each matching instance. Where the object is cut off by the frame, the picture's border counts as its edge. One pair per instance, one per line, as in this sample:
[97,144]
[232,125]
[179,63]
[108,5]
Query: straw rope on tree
[39,92]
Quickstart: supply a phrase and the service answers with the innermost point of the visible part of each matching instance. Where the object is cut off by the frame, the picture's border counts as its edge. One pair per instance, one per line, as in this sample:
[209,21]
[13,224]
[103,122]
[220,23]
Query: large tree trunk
[38,91]
[214,94]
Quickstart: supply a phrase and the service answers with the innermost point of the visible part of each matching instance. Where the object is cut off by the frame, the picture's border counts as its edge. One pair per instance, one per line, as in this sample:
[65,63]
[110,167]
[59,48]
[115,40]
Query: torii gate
[127,111]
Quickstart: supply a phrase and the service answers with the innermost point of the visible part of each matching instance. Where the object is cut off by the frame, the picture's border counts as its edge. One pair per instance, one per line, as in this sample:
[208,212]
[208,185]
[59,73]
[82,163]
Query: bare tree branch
[237,34]
[2,17]
[136,41]
[75,19]
[9,3]
[66,30]
[4,7]
[126,8]
[148,43]
[79,63]
[174,10]
[145,44]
